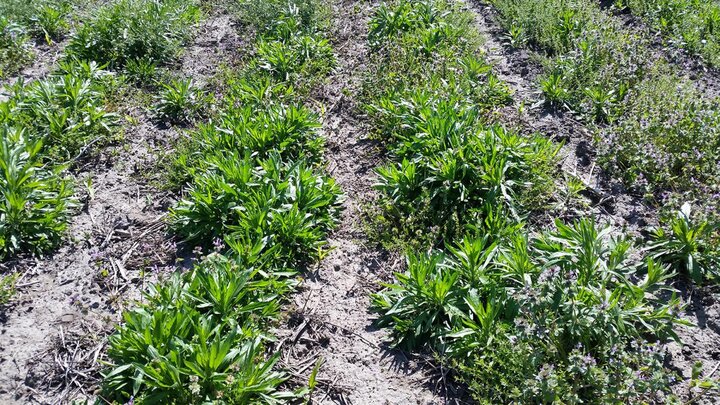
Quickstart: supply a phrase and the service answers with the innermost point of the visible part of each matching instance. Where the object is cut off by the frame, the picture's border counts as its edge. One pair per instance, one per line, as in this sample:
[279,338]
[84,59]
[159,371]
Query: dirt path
[331,320]
[53,336]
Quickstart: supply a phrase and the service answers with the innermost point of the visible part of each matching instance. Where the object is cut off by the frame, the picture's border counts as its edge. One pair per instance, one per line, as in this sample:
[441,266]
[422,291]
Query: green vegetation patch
[565,316]
[130,30]
[22,21]
[693,25]
[656,130]
[431,96]
[253,189]
[569,315]
[200,337]
[46,126]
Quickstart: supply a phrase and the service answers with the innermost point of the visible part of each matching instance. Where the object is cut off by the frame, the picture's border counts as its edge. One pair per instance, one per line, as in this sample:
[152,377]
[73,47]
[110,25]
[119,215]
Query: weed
[37,201]
[687,24]
[141,71]
[666,142]
[181,102]
[563,306]
[197,337]
[689,245]
[129,30]
[289,206]
[66,111]
[14,50]
[7,287]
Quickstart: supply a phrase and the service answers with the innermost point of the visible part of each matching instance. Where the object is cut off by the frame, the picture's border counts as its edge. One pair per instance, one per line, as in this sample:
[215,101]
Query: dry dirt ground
[52,337]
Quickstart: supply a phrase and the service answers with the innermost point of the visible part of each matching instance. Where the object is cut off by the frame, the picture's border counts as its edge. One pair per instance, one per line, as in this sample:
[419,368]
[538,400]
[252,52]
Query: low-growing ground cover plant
[657,131]
[590,60]
[689,24]
[129,30]
[666,143]
[564,316]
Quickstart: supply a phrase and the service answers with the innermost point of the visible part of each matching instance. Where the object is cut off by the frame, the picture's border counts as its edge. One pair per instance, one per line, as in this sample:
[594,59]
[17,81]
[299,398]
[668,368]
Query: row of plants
[22,22]
[656,130]
[570,314]
[256,207]
[44,127]
[453,165]
[51,124]
[692,25]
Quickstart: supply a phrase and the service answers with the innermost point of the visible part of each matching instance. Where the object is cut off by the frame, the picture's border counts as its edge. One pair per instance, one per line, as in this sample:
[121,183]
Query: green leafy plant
[553,87]
[289,52]
[251,186]
[181,102]
[36,201]
[141,71]
[51,19]
[552,318]
[452,166]
[687,24]
[67,111]
[263,16]
[14,49]
[134,29]
[690,245]
[287,205]
[197,338]
[7,287]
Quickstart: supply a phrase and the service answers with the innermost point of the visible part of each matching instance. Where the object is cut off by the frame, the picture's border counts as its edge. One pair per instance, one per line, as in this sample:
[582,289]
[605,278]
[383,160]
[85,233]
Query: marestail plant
[567,315]
[14,48]
[181,102]
[66,111]
[291,206]
[37,201]
[198,338]
[689,243]
[134,29]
